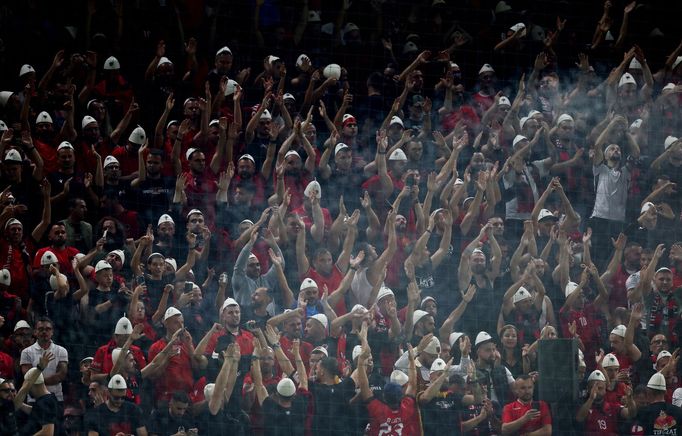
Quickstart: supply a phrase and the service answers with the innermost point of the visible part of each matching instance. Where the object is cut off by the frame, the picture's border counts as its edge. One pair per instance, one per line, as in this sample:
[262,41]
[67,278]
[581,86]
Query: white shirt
[612,192]
[31,356]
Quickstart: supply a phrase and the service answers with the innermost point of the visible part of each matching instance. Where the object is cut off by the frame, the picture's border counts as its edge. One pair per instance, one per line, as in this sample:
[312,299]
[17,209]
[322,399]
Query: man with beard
[222,67]
[340,179]
[291,326]
[164,241]
[241,209]
[16,249]
[612,178]
[600,417]
[525,416]
[252,180]
[44,141]
[64,254]
[230,326]
[67,181]
[154,190]
[89,142]
[496,377]
[261,134]
[78,231]
[201,186]
[295,174]
[128,155]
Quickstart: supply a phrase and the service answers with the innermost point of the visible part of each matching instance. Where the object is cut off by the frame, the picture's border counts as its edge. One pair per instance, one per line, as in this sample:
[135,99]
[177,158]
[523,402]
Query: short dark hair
[44,319]
[330,365]
[524,377]
[180,397]
[156,152]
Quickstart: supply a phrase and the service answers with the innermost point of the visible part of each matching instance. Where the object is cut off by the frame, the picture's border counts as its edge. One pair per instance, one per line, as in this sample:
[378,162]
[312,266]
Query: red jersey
[387,422]
[613,397]
[49,155]
[178,373]
[618,297]
[332,281]
[517,409]
[102,362]
[6,366]
[304,349]
[588,327]
[307,218]
[244,339]
[64,257]
[17,261]
[128,160]
[602,421]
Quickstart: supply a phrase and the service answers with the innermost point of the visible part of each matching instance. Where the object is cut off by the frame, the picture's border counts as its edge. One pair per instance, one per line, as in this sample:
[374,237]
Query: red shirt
[49,155]
[332,281]
[178,373]
[102,362]
[588,327]
[602,421]
[244,339]
[127,160]
[517,409]
[6,366]
[14,262]
[305,349]
[387,422]
[308,218]
[615,395]
[64,257]
[618,297]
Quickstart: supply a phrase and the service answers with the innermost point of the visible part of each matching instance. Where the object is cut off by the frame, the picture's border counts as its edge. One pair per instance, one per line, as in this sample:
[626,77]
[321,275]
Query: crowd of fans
[324,228]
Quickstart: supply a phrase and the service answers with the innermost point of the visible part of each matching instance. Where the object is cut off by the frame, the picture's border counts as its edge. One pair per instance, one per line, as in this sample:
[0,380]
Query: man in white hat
[475,269]
[102,361]
[248,185]
[497,378]
[229,330]
[116,412]
[599,416]
[44,141]
[56,370]
[616,380]
[247,275]
[12,246]
[659,416]
[426,352]
[316,219]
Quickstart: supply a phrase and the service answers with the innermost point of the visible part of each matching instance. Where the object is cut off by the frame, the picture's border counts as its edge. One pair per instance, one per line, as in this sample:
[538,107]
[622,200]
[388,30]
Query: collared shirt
[31,356]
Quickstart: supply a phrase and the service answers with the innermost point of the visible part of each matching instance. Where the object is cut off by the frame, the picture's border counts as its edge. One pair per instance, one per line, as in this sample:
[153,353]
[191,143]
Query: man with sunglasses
[115,415]
[8,422]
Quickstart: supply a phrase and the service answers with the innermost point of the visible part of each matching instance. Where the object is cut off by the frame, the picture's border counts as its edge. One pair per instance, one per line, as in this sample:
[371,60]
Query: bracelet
[39,368]
[378,152]
[277,345]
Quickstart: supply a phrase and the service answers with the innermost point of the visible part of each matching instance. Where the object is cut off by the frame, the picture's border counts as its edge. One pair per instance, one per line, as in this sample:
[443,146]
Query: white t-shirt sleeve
[510,377]
[677,397]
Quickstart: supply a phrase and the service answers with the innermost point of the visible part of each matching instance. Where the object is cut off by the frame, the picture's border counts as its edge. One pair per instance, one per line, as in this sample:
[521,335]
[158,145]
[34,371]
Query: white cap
[4,97]
[340,147]
[170,261]
[21,324]
[417,316]
[102,264]
[384,292]
[454,337]
[137,136]
[190,151]
[610,361]
[398,154]
[356,351]
[410,47]
[40,380]
[632,281]
[171,312]
[119,253]
[646,206]
[314,17]
[44,117]
[266,115]
[311,188]
[635,65]
[636,124]
[48,258]
[482,337]
[123,327]
[155,254]
[663,269]
[12,222]
[288,96]
[214,122]
[13,156]
[427,298]
[359,308]
[230,87]
[208,390]
[438,365]
[570,288]
[619,330]
[433,347]
[562,118]
[322,319]
[65,144]
[396,120]
[399,377]
[516,27]
[5,277]
[486,68]
[292,153]
[247,157]
[117,382]
[165,218]
[272,59]
[657,382]
[87,120]
[308,283]
[229,302]
[332,71]
[626,79]
[670,140]
[194,211]
[116,352]
[3,126]
[223,50]
[544,213]
[109,160]
[286,387]
[320,349]
[299,60]
[522,122]
[112,64]
[164,60]
[669,87]
[25,69]
[503,101]
[53,281]
[521,294]
[518,138]
[596,375]
[662,354]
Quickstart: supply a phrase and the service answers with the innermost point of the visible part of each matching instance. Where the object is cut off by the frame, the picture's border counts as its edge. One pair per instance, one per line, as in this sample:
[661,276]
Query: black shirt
[108,423]
[660,419]
[440,416]
[162,423]
[44,411]
[285,421]
[331,407]
[8,420]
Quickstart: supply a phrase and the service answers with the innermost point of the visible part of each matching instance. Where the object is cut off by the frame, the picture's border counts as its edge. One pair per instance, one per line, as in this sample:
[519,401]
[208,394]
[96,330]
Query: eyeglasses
[8,390]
